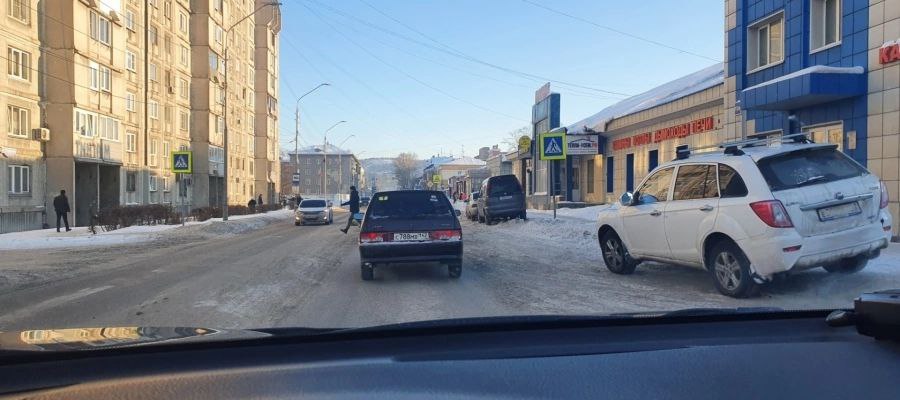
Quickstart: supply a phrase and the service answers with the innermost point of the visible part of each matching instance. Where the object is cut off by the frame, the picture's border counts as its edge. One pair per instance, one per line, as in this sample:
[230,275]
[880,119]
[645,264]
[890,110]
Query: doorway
[833,134]
[576,180]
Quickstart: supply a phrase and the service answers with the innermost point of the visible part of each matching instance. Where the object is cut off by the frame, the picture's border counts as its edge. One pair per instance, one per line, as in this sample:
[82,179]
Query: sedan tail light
[884,196]
[371,237]
[446,235]
[772,212]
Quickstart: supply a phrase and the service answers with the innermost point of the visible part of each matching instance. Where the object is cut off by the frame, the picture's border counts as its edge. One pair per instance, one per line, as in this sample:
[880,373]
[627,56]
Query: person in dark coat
[259,200]
[354,207]
[252,204]
[61,206]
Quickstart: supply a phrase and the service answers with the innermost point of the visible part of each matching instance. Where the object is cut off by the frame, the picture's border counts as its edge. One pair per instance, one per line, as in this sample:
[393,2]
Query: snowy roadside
[82,237]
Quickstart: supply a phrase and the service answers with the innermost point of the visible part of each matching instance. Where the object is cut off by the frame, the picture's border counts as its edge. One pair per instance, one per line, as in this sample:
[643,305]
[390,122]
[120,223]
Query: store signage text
[889,52]
[673,132]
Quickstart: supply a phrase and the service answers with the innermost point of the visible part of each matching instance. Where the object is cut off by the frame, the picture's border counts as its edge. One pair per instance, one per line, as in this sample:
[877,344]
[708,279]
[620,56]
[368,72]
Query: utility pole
[297,127]
[325,157]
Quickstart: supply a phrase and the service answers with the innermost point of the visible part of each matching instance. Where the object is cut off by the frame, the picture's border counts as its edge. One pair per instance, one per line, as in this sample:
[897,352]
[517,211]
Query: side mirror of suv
[627,199]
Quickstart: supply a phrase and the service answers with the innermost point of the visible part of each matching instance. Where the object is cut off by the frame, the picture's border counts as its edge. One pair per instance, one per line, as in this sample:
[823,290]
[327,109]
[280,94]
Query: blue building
[800,66]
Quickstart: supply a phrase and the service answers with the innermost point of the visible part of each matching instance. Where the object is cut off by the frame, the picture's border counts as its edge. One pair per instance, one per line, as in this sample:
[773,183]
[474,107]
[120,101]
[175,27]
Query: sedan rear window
[808,167]
[312,203]
[410,205]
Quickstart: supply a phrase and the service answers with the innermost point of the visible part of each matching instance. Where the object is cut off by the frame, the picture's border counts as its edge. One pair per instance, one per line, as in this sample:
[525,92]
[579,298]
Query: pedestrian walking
[259,201]
[354,207]
[61,206]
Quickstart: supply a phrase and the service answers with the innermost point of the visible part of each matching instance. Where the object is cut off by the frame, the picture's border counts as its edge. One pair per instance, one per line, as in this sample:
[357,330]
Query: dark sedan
[410,226]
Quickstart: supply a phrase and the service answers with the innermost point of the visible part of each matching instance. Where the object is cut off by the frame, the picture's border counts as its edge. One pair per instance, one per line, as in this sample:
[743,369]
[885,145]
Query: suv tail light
[446,235]
[371,237]
[884,196]
[772,212]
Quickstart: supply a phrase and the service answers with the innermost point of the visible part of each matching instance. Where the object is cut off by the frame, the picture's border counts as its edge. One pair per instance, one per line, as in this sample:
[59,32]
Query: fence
[20,220]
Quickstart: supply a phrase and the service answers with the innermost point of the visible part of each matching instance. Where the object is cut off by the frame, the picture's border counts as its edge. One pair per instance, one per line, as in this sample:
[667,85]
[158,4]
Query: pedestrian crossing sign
[553,146]
[182,162]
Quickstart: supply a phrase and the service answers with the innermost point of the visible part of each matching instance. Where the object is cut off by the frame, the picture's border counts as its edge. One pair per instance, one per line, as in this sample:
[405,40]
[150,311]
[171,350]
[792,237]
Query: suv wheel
[455,270]
[524,216]
[847,265]
[730,270]
[368,272]
[615,255]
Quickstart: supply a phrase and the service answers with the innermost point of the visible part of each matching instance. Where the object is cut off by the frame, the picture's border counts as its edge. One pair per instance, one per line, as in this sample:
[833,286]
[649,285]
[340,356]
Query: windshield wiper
[812,179]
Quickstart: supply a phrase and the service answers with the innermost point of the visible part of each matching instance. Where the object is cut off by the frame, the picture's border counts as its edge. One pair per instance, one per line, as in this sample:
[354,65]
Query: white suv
[750,213]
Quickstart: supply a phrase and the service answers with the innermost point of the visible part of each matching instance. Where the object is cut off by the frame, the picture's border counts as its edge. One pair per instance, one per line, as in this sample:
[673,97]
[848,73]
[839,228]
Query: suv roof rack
[734,148]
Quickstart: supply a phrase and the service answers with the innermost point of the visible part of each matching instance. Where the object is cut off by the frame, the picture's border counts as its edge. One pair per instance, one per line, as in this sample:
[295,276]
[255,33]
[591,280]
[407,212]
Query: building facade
[821,67]
[266,156]
[22,202]
[323,174]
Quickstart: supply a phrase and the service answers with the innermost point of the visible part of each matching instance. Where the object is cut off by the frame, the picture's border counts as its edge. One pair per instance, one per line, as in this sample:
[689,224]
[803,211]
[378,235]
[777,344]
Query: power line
[621,32]
[456,53]
[404,73]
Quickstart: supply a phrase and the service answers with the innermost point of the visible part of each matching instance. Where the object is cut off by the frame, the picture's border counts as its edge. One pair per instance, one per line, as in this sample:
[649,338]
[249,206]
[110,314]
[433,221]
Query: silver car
[313,211]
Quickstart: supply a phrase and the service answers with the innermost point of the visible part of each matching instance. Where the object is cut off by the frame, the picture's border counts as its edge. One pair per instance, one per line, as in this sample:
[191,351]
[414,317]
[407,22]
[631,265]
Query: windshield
[312,204]
[327,164]
[807,167]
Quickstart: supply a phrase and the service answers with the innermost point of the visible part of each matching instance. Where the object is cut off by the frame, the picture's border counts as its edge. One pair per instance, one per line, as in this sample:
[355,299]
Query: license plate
[505,197]
[841,211]
[411,237]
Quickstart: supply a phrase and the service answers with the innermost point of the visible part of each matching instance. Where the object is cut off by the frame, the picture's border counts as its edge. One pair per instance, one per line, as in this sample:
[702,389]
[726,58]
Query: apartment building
[267,158]
[21,146]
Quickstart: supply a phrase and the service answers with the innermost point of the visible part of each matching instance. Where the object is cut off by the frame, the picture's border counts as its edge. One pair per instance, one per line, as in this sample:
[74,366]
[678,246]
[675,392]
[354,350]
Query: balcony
[98,150]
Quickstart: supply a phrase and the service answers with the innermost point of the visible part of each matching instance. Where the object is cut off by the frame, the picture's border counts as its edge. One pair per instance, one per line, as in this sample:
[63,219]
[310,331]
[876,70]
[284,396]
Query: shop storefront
[641,132]
[823,67]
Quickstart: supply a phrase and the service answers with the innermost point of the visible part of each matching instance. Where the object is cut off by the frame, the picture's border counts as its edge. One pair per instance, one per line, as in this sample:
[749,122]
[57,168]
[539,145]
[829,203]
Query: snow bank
[82,237]
[583,214]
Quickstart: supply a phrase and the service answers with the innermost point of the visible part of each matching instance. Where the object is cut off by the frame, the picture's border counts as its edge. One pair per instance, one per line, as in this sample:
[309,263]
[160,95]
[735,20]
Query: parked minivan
[501,197]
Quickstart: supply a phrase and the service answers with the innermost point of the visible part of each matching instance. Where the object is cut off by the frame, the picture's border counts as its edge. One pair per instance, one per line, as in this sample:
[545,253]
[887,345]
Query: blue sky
[412,75]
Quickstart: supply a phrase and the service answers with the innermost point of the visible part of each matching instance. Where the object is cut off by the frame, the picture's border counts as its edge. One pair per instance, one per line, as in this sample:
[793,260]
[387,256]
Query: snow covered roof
[465,161]
[665,93]
[317,149]
[815,69]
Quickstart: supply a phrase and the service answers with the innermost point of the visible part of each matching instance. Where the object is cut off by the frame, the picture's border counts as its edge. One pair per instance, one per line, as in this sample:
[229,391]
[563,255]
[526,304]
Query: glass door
[833,134]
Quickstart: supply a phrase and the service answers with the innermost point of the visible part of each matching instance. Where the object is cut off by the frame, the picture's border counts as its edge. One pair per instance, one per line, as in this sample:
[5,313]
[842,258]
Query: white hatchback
[749,214]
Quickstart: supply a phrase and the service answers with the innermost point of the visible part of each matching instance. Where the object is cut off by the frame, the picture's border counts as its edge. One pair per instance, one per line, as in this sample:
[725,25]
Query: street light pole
[325,157]
[341,164]
[225,138]
[297,127]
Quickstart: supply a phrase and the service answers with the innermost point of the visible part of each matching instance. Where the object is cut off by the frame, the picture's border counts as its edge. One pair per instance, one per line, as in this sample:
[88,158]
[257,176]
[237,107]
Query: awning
[806,87]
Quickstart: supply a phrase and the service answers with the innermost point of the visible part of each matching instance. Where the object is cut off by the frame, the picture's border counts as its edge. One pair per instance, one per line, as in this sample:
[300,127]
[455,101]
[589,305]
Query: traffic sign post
[552,147]
[182,162]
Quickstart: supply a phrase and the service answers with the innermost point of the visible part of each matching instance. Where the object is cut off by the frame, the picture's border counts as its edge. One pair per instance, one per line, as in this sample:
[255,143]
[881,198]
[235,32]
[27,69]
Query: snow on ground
[82,237]
[585,213]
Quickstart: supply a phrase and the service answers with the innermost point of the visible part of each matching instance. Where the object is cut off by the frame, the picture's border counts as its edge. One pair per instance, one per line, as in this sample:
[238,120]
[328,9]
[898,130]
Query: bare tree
[511,140]
[405,167]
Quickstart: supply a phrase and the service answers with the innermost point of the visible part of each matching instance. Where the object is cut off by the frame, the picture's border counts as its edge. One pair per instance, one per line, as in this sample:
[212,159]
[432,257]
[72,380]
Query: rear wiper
[812,179]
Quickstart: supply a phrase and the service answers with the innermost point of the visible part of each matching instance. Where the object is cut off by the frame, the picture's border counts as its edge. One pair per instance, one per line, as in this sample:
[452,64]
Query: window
[808,167]
[154,150]
[130,182]
[165,184]
[100,28]
[220,95]
[184,121]
[95,75]
[220,35]
[609,174]
[165,155]
[183,88]
[19,9]
[183,22]
[730,182]
[153,109]
[18,123]
[153,183]
[130,61]
[213,61]
[167,9]
[105,79]
[590,176]
[129,101]
[220,125]
[824,23]
[695,182]
[185,56]
[656,188]
[766,42]
[129,20]
[131,142]
[153,72]
[18,63]
[218,5]
[833,134]
[107,128]
[19,179]
[85,123]
[152,36]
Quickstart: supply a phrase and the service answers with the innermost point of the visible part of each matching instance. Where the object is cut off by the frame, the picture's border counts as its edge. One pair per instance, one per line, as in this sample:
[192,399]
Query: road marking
[50,303]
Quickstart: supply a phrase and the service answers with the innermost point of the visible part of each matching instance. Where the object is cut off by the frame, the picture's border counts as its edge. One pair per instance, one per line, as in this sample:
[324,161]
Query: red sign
[542,93]
[673,132]
[889,52]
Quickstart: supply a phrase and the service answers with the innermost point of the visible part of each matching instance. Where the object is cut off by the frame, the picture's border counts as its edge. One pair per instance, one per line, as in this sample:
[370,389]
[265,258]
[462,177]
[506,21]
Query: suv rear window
[808,167]
[312,203]
[410,205]
[504,186]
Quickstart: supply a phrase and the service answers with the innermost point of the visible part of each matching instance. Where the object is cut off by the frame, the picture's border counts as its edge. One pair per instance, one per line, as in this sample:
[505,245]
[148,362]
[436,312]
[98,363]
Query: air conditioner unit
[42,134]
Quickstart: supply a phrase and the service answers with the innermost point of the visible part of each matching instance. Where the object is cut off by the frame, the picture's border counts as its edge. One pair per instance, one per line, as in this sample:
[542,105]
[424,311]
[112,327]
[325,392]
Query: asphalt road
[282,275]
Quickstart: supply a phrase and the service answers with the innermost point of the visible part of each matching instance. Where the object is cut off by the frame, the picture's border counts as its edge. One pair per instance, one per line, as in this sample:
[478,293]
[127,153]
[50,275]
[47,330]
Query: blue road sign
[553,146]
